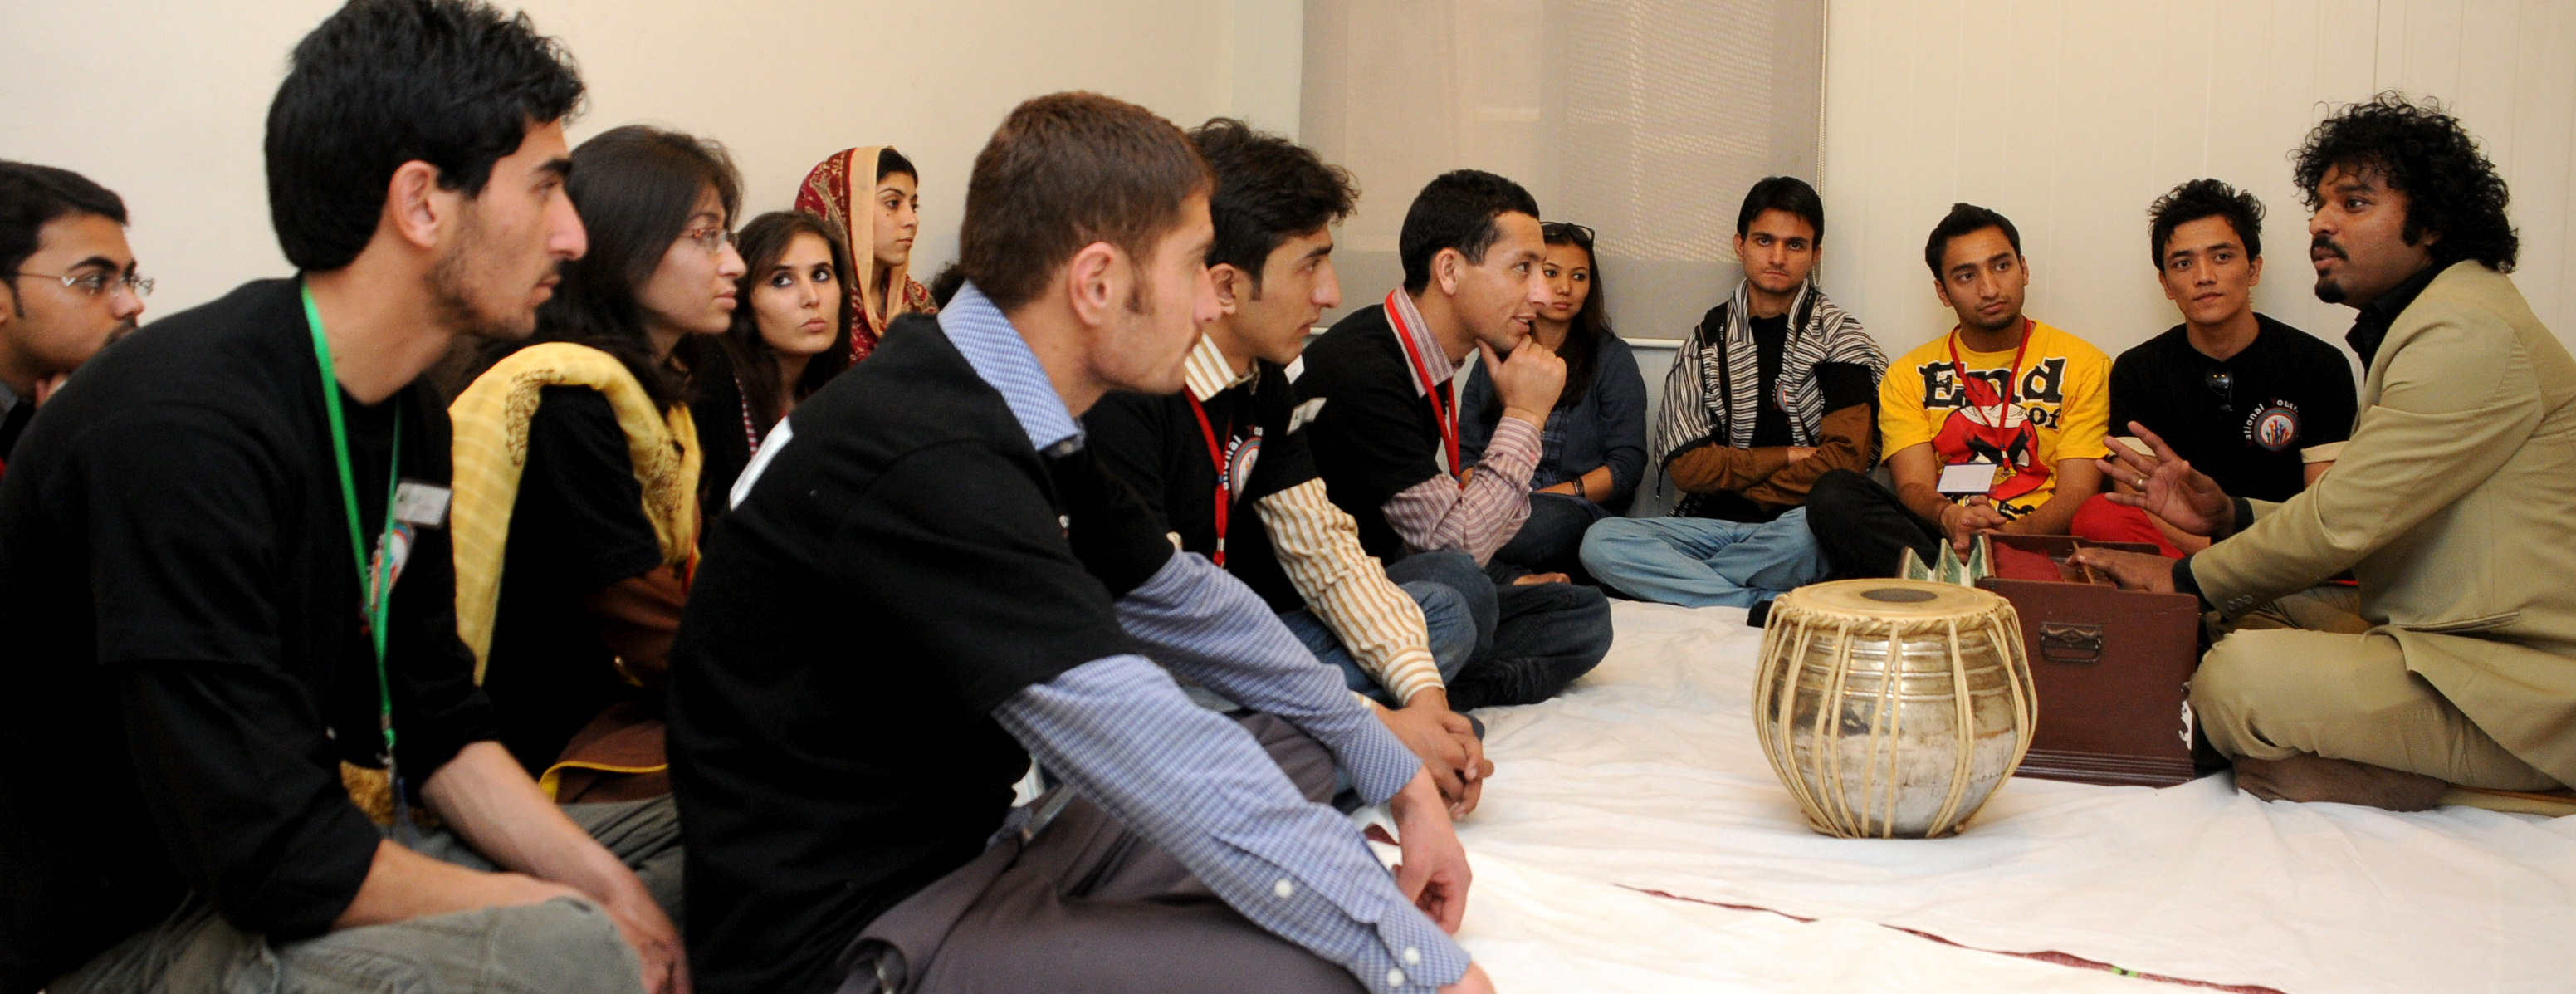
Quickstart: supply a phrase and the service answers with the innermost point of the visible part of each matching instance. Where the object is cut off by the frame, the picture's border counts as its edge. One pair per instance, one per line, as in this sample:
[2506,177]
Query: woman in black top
[790,335]
[1593,449]
[593,575]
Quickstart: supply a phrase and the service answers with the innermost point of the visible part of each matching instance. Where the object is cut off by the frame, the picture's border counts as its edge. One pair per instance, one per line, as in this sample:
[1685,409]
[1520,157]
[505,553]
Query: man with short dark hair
[2258,405]
[225,576]
[930,578]
[1771,391]
[1385,431]
[70,281]
[1992,427]
[1224,464]
[2451,504]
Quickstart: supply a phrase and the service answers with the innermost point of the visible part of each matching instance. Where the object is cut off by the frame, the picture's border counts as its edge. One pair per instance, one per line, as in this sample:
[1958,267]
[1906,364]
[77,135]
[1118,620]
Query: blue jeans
[1444,611]
[1703,562]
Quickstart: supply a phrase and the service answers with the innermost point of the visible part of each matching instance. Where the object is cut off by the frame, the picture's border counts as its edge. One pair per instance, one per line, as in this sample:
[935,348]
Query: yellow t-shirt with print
[2060,409]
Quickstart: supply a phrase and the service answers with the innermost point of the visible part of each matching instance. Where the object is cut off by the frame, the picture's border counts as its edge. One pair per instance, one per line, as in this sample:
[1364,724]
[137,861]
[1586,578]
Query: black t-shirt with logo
[2244,419]
[1375,437]
[1156,445]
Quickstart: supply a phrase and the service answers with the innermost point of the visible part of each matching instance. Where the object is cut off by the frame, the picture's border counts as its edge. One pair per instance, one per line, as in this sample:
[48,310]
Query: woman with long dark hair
[576,465]
[790,335]
[1593,449]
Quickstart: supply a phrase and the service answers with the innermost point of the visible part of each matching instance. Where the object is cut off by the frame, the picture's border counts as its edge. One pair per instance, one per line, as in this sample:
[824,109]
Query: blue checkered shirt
[1121,733]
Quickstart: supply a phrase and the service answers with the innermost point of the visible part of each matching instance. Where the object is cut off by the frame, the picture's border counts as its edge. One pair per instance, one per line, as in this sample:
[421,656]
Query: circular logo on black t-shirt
[2274,426]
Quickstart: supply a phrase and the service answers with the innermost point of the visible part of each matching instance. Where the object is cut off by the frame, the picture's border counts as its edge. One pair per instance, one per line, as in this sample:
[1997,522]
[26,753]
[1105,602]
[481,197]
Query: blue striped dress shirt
[1121,733]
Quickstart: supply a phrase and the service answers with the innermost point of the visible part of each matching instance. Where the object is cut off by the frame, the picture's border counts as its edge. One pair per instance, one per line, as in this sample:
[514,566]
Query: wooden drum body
[1893,708]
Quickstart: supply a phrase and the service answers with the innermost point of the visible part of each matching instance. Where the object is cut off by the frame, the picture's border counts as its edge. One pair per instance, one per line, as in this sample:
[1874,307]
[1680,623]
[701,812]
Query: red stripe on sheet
[2061,959]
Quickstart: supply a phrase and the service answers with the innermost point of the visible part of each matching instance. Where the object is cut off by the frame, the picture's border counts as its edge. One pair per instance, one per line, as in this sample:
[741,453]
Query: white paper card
[1967,478]
[421,504]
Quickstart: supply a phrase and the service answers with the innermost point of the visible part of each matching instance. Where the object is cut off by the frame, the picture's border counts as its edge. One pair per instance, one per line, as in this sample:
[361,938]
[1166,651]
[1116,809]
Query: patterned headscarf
[842,191]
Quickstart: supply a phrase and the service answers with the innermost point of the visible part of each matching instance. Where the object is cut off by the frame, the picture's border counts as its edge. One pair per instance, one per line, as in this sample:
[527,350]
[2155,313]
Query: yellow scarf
[491,419]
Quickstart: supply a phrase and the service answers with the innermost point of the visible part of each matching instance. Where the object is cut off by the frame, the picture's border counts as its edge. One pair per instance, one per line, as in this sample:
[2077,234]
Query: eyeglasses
[711,239]
[95,283]
[1560,230]
[2222,383]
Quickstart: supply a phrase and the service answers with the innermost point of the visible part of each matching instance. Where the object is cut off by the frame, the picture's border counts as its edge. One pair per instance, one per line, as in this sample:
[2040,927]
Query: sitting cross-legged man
[1383,387]
[847,800]
[1772,391]
[2258,405]
[1992,427]
[2453,504]
[242,748]
[1224,464]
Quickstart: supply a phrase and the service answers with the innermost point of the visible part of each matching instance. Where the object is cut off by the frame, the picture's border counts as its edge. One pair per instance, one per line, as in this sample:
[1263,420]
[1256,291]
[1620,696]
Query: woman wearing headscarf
[790,335]
[575,523]
[873,194]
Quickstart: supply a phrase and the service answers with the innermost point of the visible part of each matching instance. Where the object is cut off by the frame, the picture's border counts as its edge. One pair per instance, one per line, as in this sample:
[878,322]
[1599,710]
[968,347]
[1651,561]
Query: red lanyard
[1961,371]
[749,434]
[1224,480]
[1445,415]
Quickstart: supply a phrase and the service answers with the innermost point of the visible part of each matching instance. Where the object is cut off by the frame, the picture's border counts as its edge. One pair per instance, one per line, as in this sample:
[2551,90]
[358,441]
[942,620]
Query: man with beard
[2453,504]
[928,579]
[70,282]
[1383,388]
[1990,428]
[242,749]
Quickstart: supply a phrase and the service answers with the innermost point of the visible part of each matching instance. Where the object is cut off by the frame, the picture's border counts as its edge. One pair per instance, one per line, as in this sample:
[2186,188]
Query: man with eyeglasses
[2260,406]
[70,283]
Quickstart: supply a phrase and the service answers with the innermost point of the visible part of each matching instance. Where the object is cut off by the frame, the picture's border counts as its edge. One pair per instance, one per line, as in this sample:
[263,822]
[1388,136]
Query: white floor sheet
[1646,777]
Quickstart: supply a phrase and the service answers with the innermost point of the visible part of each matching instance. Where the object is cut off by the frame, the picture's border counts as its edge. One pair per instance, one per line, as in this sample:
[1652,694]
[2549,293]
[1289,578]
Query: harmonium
[2112,667]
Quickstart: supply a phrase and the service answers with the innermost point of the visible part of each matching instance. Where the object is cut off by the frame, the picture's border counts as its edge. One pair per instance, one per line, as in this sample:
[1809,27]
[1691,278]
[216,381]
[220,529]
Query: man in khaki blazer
[2454,504]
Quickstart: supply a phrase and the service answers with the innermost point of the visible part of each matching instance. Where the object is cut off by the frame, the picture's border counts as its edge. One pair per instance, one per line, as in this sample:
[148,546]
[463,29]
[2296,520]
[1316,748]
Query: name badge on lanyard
[422,505]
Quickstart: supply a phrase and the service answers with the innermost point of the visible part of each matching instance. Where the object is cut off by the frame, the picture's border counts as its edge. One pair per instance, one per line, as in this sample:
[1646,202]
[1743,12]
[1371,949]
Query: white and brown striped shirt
[1318,546]
[1480,514]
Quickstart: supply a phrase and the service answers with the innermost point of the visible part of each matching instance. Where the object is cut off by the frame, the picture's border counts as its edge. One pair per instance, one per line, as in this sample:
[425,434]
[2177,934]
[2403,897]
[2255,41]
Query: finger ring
[2142,481]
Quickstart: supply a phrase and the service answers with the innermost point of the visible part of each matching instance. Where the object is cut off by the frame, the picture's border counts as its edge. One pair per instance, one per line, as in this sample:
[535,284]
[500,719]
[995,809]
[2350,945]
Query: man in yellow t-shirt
[1991,427]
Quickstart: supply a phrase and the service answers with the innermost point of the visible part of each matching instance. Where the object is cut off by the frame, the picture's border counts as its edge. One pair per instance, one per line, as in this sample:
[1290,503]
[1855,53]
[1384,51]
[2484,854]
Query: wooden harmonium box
[2113,667]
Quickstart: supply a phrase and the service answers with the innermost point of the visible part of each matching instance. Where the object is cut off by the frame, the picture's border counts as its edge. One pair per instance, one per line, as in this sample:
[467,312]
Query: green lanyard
[373,581]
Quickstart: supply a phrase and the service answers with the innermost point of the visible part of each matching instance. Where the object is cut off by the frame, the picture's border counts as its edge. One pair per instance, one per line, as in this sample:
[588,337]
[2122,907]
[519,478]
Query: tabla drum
[1893,708]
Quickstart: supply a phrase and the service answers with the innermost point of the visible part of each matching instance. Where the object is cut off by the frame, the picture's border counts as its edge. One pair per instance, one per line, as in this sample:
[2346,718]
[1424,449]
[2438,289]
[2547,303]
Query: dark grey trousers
[559,947]
[1080,903]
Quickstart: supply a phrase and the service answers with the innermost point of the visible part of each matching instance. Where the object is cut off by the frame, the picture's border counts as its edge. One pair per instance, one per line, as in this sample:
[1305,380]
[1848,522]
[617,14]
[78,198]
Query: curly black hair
[2451,189]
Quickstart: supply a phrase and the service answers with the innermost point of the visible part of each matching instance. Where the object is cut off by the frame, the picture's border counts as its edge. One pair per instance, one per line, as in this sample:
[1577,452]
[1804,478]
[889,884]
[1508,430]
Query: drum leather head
[1889,599]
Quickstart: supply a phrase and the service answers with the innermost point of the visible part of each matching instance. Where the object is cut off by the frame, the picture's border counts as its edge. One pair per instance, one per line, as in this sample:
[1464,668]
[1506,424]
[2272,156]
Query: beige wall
[163,101]
[2070,117]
